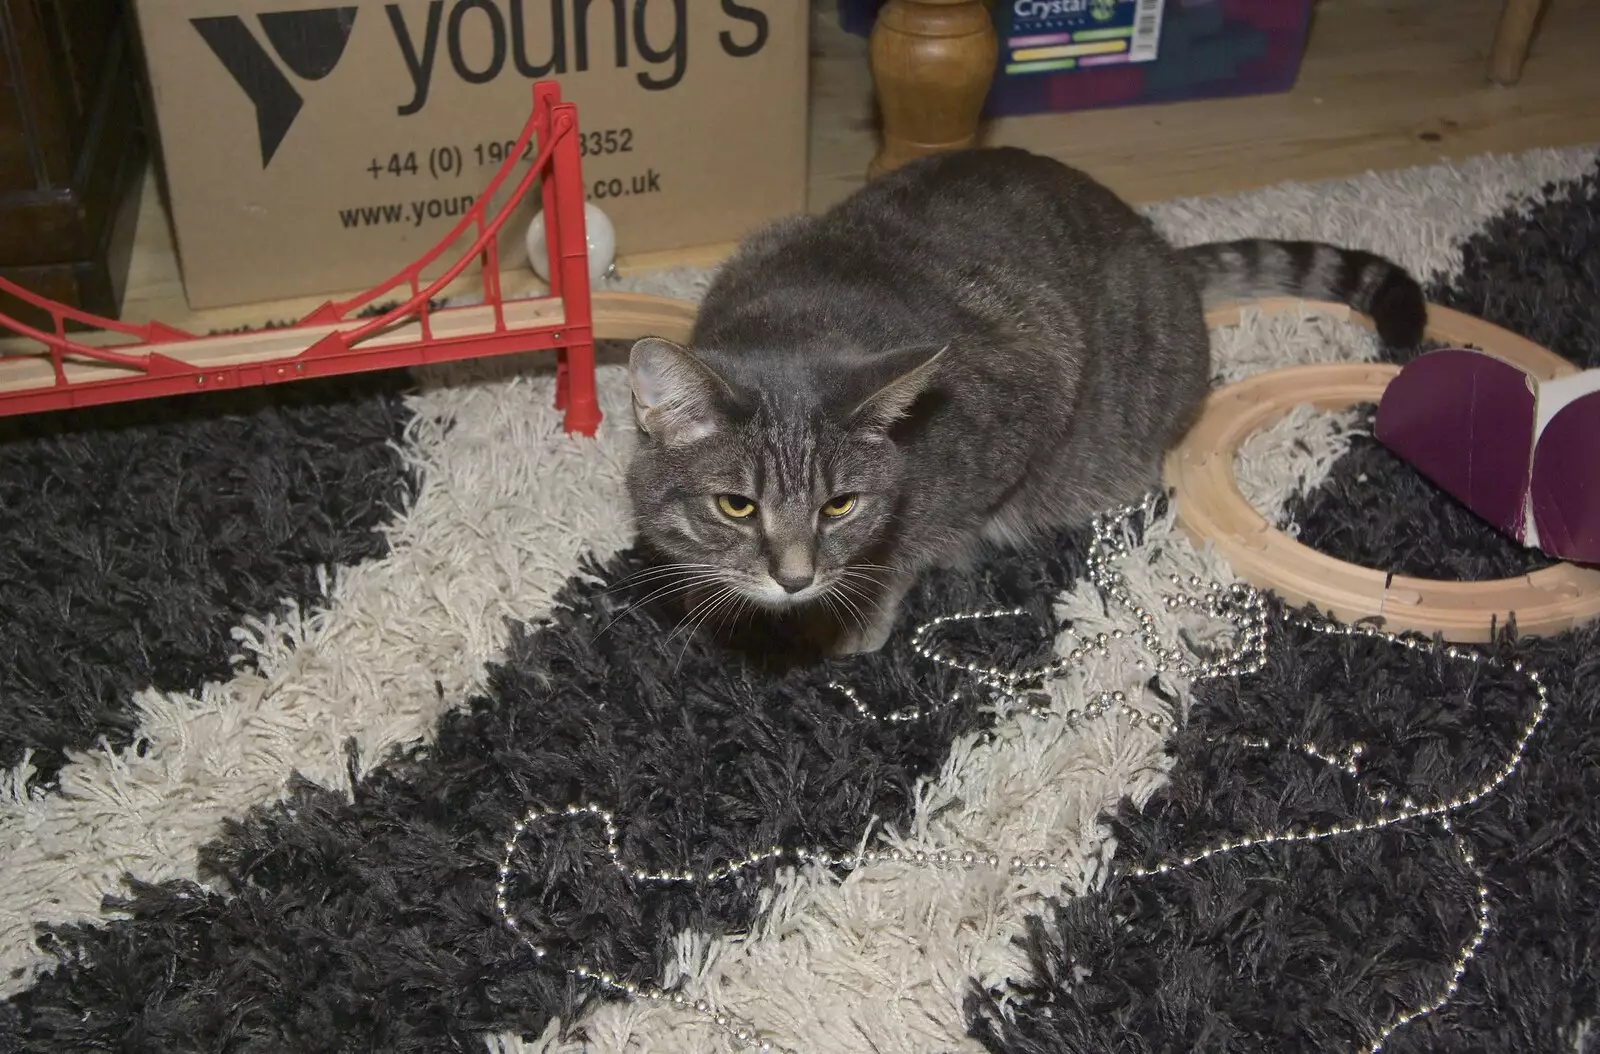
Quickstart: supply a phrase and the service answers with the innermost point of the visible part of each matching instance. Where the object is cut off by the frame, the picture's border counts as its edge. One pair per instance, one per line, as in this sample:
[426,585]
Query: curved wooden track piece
[1211,509]
[629,316]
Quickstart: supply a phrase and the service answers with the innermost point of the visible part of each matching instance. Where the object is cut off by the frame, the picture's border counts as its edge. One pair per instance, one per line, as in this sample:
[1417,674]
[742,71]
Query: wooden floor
[1385,84]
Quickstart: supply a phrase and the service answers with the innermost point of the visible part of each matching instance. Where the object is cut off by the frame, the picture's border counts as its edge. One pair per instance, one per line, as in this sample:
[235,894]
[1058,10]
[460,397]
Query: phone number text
[452,160]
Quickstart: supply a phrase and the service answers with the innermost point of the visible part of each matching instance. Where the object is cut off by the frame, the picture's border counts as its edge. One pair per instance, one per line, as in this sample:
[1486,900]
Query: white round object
[601,237]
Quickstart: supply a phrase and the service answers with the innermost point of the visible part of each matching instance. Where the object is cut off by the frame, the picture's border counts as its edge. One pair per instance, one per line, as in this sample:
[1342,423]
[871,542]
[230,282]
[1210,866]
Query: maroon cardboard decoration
[1521,453]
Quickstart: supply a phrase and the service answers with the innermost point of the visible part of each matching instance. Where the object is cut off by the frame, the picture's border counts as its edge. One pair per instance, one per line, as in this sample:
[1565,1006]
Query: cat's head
[782,489]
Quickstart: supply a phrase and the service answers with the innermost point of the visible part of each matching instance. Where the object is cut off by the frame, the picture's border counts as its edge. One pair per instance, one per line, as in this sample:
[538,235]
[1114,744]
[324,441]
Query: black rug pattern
[369,924]
[133,537]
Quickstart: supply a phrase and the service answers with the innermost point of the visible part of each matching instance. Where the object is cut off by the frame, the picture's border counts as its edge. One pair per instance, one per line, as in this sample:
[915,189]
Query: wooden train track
[616,316]
[1213,511]
[629,316]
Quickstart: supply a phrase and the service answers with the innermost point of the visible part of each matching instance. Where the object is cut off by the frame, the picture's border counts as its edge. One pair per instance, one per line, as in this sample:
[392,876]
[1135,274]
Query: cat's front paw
[874,623]
[866,640]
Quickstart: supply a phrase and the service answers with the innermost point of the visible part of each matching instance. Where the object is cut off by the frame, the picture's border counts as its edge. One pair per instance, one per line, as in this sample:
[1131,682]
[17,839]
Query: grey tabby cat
[980,347]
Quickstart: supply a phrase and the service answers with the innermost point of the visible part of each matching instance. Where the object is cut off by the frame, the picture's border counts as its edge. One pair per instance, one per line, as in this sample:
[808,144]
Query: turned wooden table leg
[932,63]
[1513,39]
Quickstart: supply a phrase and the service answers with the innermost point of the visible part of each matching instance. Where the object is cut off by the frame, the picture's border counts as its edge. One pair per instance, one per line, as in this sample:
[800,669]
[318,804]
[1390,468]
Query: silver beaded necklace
[1241,605]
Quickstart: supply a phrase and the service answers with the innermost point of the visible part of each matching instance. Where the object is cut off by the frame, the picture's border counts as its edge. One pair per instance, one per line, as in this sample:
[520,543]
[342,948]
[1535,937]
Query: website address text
[418,211]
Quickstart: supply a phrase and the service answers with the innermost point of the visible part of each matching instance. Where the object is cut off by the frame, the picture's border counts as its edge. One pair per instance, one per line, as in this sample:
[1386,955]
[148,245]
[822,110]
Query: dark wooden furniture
[72,150]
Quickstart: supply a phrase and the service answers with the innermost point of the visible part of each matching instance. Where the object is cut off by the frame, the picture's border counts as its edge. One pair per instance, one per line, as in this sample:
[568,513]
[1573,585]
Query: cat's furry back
[981,345]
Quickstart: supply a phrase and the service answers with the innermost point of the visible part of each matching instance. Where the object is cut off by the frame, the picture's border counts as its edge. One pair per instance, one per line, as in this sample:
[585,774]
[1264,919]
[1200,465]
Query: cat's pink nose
[793,583]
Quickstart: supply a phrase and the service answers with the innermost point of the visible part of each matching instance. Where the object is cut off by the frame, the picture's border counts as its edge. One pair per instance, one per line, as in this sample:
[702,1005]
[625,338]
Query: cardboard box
[1155,51]
[316,150]
[1064,55]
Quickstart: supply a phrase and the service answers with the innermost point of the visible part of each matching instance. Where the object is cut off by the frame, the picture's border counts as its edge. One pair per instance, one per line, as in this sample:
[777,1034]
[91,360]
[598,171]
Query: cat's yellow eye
[735,505]
[840,506]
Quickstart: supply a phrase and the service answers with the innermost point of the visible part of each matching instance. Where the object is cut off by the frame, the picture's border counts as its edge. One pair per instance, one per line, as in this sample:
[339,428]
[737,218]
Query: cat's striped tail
[1261,267]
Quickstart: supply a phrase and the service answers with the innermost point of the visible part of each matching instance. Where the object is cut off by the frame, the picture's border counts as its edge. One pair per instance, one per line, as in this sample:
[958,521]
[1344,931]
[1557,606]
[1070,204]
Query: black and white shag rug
[282,673]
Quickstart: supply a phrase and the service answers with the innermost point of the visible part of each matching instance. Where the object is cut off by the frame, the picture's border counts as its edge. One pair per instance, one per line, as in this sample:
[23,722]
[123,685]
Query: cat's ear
[911,372]
[675,394]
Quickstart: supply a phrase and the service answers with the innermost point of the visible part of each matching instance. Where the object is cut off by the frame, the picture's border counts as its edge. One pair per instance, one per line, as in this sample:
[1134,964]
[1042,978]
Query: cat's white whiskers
[719,598]
[693,612]
[644,574]
[740,601]
[687,580]
[842,589]
[731,588]
[855,573]
[656,572]
[853,610]
[693,579]
[833,608]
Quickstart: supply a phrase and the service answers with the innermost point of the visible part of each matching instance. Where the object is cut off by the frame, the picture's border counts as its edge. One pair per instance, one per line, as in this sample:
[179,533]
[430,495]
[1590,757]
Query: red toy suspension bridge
[53,372]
